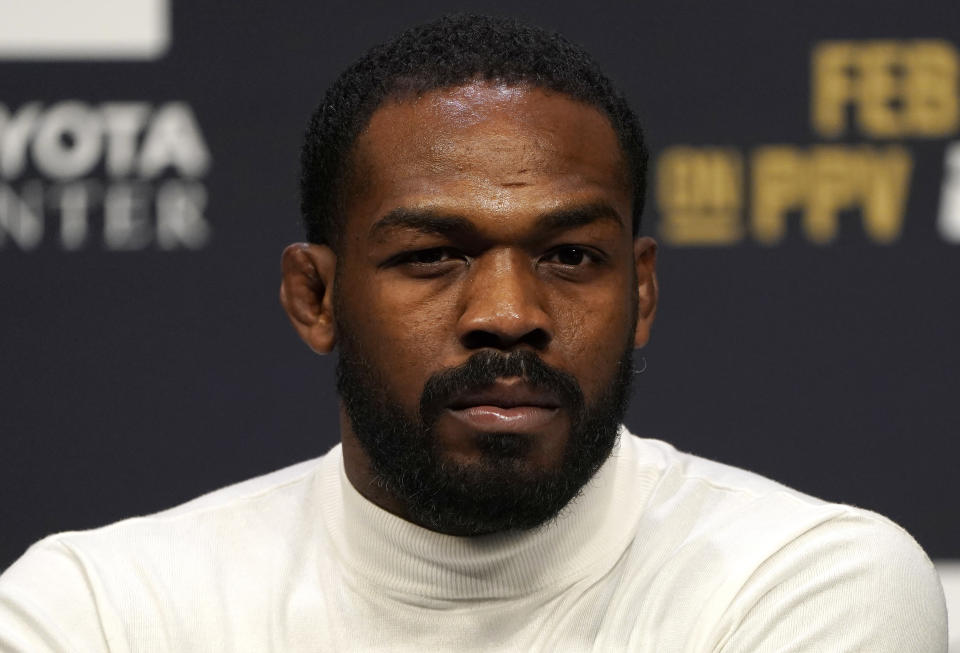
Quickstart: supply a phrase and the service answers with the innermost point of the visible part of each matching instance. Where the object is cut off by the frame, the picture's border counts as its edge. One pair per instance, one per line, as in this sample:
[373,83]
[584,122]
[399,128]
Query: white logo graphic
[84,29]
[129,170]
[949,220]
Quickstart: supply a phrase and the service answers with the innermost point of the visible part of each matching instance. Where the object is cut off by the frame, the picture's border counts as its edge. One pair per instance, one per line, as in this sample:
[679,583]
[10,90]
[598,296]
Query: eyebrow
[578,216]
[437,222]
[427,221]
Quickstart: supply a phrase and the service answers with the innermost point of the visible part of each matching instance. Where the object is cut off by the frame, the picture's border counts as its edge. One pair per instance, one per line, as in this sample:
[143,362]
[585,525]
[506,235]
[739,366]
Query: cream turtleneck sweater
[663,552]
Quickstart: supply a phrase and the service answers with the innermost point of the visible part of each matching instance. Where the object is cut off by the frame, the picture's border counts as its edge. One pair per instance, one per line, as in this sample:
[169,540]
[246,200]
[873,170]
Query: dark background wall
[144,358]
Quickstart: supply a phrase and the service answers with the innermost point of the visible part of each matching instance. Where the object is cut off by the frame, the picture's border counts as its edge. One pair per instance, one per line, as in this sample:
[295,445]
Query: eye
[429,262]
[428,256]
[569,255]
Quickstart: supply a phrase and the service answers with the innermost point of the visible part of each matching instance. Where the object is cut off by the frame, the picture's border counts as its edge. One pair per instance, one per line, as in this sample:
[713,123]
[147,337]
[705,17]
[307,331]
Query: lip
[506,394]
[512,406]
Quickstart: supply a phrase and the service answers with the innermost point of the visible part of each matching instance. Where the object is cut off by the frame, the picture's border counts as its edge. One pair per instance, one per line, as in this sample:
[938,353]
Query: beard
[502,490]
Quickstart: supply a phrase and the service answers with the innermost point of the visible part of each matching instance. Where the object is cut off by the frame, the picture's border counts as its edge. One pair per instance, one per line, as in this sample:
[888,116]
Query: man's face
[486,303]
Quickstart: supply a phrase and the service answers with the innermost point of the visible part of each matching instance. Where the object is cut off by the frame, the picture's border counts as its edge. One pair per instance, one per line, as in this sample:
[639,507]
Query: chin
[527,450]
[483,454]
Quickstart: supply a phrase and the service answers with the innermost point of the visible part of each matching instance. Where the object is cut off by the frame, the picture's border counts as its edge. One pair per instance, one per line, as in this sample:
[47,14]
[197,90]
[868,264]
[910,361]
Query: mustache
[484,368]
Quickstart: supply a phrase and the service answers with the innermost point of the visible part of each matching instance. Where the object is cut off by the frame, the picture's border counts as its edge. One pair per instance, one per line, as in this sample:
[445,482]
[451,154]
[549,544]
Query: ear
[306,293]
[645,260]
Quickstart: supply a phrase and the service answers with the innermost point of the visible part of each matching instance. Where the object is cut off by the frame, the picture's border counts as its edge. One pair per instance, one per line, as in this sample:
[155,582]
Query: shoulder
[82,586]
[780,570]
[275,485]
[678,467]
[855,582]
[260,507]
[713,497]
[47,603]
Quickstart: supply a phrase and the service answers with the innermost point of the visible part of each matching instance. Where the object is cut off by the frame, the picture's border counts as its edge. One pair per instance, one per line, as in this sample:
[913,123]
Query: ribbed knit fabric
[402,558]
[663,552]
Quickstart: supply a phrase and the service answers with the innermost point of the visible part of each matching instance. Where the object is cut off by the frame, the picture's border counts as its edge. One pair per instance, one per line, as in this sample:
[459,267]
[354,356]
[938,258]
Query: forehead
[484,145]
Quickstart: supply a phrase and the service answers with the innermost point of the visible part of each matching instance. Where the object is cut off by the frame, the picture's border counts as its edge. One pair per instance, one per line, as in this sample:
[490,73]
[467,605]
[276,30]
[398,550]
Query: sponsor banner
[869,102]
[115,176]
[84,29]
[804,187]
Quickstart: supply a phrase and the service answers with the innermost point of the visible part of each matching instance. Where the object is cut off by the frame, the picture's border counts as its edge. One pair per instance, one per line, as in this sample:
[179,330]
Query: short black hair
[445,53]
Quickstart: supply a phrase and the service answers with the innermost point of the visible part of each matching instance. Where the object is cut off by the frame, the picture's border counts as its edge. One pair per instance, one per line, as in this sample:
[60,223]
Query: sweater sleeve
[47,604]
[855,583]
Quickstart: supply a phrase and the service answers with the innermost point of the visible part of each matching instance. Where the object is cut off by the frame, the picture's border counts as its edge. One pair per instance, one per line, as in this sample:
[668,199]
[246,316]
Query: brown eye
[427,256]
[570,255]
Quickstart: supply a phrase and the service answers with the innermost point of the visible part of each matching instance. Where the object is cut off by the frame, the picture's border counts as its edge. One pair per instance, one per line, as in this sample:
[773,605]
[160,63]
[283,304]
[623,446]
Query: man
[472,194]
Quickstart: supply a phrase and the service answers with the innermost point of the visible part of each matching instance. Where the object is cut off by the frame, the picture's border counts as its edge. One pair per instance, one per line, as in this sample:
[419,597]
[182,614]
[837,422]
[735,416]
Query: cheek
[593,331]
[402,333]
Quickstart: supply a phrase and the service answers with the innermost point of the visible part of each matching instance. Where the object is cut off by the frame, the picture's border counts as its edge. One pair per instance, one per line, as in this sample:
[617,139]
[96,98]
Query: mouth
[509,405]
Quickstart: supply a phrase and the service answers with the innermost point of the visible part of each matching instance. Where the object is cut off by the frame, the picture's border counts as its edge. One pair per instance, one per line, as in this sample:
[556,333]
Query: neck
[359,471]
[399,556]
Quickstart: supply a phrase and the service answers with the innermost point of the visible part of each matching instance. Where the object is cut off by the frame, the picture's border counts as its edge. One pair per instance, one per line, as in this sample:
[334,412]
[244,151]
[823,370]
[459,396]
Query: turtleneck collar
[400,557]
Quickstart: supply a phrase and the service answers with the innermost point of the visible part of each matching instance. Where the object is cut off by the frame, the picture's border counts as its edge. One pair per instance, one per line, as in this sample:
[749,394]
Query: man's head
[484,282]
[450,52]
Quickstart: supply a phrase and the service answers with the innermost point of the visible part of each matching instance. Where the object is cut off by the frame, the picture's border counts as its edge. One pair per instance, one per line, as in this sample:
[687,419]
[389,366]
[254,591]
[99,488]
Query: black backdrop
[141,367]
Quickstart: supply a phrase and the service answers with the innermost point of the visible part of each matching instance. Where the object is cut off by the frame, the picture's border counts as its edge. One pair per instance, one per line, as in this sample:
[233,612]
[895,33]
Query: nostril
[480,339]
[537,338]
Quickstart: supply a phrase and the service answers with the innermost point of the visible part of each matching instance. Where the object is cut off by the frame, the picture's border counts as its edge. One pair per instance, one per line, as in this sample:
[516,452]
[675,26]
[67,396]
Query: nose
[502,304]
